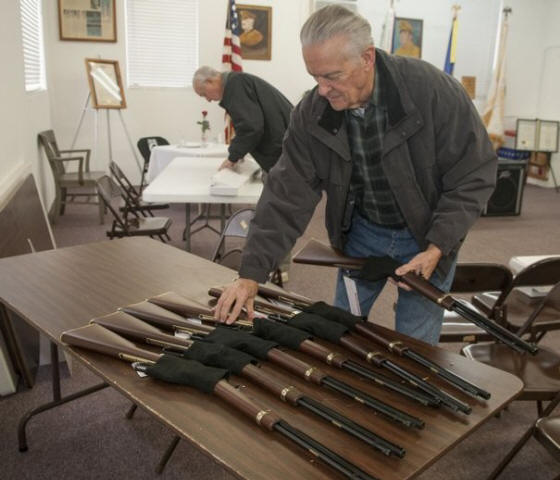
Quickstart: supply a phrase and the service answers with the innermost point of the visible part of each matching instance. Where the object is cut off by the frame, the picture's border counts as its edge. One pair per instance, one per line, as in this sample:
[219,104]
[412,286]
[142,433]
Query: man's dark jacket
[436,156]
[260,116]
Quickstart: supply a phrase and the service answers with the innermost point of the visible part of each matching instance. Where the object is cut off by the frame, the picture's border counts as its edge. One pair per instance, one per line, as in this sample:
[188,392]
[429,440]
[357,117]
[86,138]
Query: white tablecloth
[161,156]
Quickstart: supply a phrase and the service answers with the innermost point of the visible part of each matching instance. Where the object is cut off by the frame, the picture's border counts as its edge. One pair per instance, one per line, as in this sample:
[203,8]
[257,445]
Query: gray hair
[333,20]
[204,73]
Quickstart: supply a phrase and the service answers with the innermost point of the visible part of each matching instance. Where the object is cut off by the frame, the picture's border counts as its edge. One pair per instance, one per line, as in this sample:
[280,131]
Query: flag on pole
[231,56]
[387,31]
[452,45]
[493,116]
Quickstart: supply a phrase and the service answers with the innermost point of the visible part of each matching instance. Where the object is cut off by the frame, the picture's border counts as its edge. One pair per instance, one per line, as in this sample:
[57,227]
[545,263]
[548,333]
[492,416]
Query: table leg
[188,227]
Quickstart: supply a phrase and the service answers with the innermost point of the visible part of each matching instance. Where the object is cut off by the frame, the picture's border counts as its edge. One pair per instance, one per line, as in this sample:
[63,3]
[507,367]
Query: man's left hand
[422,264]
[226,164]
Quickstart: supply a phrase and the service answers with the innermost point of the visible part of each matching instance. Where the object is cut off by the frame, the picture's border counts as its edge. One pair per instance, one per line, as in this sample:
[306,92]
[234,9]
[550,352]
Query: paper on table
[228,181]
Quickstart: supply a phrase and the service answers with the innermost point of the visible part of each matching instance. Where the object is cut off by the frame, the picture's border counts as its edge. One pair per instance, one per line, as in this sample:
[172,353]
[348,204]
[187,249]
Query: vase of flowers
[204,126]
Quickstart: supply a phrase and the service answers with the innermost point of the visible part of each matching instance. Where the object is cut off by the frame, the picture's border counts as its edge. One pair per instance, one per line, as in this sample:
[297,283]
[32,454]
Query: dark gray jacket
[260,116]
[436,156]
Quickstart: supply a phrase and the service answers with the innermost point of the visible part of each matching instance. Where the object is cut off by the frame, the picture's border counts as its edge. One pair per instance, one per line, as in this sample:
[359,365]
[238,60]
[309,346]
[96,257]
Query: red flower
[204,113]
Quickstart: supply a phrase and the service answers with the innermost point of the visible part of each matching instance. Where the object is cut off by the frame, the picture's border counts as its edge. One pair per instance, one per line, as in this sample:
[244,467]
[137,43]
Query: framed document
[87,20]
[105,84]
[526,138]
[547,136]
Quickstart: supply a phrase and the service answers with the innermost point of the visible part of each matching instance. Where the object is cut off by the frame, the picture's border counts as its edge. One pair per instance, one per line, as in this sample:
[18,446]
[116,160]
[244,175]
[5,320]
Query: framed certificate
[105,84]
[547,136]
[526,137]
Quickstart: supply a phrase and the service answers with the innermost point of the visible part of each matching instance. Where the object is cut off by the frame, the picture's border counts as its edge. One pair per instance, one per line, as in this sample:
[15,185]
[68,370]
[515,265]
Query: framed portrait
[256,32]
[105,84]
[87,20]
[407,37]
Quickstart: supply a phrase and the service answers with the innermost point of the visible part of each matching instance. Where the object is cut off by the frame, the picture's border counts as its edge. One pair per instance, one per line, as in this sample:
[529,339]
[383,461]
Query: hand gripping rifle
[262,349]
[191,373]
[377,268]
[295,303]
[339,334]
[215,355]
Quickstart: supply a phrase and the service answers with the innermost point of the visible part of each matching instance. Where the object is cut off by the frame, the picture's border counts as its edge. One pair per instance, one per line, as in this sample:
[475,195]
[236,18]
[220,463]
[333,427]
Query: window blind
[32,43]
[162,42]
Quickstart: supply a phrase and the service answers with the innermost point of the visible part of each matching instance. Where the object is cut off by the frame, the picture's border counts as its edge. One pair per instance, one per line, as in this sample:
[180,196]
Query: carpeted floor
[90,438]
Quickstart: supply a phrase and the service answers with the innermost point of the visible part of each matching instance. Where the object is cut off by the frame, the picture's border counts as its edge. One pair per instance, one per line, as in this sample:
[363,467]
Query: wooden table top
[63,289]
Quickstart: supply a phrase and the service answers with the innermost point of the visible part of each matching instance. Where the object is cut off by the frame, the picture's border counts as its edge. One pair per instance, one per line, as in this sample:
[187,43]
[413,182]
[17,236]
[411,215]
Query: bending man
[259,112]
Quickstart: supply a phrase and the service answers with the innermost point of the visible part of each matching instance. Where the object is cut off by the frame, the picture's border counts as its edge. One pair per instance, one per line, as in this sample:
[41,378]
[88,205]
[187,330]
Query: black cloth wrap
[172,369]
[216,355]
[318,326]
[379,268]
[283,334]
[334,314]
[241,341]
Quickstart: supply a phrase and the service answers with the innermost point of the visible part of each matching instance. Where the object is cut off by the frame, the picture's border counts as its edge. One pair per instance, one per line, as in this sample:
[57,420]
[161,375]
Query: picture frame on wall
[407,37]
[105,83]
[87,20]
[256,32]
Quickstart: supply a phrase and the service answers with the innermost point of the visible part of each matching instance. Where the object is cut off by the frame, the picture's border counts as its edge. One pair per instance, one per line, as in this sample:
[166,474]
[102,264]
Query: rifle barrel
[361,397]
[352,428]
[316,449]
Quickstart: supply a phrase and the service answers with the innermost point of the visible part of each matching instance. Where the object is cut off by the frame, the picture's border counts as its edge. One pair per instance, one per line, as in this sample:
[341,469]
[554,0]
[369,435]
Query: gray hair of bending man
[334,20]
[203,74]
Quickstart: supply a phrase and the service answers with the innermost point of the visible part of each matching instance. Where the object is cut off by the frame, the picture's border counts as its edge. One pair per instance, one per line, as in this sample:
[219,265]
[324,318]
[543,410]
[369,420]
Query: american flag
[231,57]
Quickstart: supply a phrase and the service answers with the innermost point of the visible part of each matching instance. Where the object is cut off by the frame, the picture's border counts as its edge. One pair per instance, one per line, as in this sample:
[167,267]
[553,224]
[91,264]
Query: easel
[87,107]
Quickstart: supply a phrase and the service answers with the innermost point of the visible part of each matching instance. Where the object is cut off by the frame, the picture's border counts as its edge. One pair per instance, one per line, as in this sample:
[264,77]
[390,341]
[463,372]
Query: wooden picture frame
[87,20]
[407,37]
[105,83]
[256,32]
[526,134]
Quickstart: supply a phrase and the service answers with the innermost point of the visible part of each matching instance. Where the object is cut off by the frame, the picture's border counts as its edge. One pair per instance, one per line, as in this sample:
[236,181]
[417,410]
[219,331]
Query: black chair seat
[547,432]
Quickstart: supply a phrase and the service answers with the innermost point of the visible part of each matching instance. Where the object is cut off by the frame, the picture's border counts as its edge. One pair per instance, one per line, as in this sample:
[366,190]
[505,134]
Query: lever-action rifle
[295,303]
[315,253]
[262,349]
[207,379]
[240,363]
[339,334]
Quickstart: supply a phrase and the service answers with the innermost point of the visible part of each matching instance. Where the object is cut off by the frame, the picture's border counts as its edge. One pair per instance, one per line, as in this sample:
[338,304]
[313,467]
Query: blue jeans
[416,316]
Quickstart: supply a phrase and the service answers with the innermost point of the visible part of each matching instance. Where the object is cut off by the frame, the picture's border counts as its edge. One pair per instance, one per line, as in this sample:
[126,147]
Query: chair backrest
[145,145]
[107,190]
[126,186]
[539,274]
[551,301]
[481,277]
[236,226]
[48,140]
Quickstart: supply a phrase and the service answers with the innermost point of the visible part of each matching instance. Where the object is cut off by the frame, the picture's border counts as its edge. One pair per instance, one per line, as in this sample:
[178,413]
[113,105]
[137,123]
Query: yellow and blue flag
[451,47]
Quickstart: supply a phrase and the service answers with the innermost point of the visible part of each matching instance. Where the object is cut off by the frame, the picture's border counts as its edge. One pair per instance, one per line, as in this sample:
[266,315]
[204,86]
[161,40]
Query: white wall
[23,114]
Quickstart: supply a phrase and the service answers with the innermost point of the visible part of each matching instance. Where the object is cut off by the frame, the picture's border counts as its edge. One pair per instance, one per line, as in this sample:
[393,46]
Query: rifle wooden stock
[163,318]
[99,339]
[131,327]
[316,253]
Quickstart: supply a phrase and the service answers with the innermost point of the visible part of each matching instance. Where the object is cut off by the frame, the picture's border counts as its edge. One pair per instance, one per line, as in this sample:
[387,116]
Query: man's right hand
[239,294]
[226,164]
